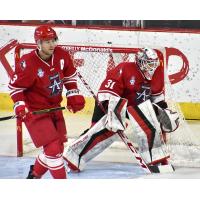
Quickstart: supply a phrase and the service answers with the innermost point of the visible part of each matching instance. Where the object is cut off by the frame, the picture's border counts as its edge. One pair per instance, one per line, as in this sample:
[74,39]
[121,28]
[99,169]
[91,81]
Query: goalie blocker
[145,126]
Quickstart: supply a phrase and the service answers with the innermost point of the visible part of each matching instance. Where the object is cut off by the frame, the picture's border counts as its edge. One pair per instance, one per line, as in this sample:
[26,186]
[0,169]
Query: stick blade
[162,168]
[7,118]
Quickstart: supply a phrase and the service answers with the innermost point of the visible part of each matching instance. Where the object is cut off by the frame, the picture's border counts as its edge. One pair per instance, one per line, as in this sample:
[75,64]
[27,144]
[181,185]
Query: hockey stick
[121,134]
[47,110]
[34,113]
[8,117]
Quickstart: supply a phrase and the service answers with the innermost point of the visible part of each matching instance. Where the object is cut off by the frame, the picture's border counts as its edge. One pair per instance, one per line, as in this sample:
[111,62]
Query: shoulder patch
[23,64]
[119,73]
[40,73]
[132,80]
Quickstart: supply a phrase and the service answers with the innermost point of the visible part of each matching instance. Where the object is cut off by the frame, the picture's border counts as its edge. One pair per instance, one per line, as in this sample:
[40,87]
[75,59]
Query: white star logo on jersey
[144,94]
[56,85]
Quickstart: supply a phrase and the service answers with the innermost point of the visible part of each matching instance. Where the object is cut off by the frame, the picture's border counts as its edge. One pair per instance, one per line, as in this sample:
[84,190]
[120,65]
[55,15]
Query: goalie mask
[147,59]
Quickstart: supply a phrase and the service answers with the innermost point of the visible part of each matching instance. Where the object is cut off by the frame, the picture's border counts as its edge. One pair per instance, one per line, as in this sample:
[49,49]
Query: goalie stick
[147,168]
[121,134]
[34,113]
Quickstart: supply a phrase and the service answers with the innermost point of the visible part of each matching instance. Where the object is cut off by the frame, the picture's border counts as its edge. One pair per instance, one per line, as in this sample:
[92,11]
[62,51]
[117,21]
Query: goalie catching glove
[168,119]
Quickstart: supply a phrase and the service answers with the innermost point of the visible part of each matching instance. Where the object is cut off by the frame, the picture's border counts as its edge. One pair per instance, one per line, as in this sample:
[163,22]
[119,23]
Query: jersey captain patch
[56,84]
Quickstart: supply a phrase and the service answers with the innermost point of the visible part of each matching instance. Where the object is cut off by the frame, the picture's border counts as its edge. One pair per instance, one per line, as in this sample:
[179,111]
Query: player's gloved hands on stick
[21,110]
[75,101]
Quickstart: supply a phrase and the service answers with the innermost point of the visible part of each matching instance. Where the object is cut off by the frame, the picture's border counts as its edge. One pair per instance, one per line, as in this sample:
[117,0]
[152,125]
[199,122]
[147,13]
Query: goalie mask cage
[93,62]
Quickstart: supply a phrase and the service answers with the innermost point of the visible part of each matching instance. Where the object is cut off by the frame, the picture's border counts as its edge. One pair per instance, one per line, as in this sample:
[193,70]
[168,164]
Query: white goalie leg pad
[116,117]
[89,145]
[146,127]
[159,149]
[72,158]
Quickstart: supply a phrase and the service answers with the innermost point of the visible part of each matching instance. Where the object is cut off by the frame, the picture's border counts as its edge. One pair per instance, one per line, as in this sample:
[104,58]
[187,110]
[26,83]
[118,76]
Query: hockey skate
[31,175]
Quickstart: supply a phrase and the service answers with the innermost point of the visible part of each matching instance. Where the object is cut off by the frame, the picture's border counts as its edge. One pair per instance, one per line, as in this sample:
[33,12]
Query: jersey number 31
[110,84]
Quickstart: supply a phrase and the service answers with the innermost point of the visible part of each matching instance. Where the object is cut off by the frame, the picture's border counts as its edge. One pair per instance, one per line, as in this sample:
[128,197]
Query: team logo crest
[40,73]
[143,94]
[56,84]
[132,80]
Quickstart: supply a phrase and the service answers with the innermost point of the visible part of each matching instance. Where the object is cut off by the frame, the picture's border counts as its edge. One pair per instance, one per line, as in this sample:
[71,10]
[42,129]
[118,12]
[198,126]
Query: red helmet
[44,32]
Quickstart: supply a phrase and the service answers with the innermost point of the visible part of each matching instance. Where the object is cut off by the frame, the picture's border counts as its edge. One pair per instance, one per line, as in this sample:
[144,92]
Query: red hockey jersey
[40,83]
[127,81]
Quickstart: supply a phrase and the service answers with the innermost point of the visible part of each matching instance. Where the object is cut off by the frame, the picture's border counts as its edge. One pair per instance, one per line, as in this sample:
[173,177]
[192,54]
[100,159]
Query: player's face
[48,46]
[149,67]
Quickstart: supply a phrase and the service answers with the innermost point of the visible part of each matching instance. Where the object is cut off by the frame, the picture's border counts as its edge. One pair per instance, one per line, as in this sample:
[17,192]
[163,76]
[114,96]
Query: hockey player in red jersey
[38,84]
[137,82]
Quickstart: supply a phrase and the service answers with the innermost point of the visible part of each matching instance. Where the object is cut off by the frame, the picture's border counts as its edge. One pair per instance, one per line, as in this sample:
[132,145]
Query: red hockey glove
[21,110]
[75,101]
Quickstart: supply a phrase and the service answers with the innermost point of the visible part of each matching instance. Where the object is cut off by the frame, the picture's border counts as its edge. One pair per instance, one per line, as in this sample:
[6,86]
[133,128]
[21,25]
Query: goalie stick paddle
[34,113]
